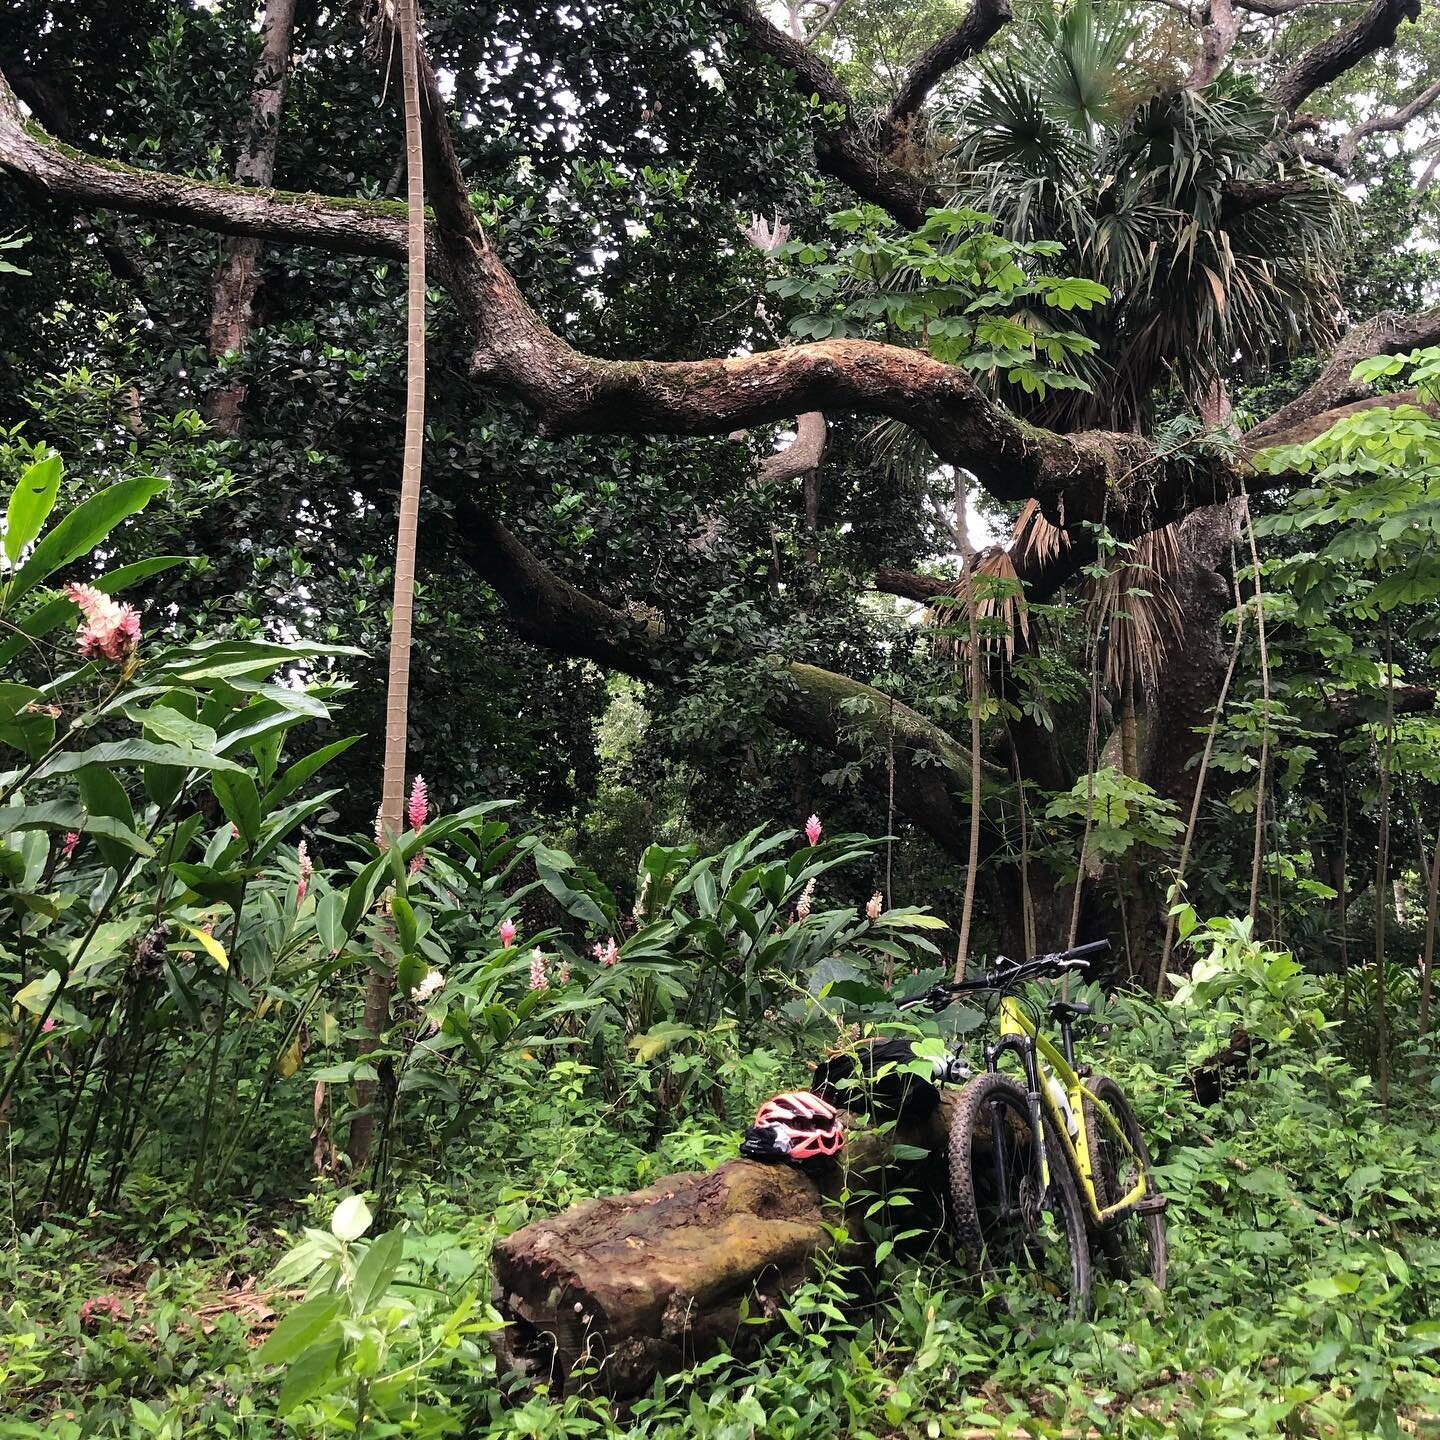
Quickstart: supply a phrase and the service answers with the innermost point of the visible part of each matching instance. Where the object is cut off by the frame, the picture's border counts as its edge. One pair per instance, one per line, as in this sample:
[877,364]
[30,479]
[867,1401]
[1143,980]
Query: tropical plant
[1183,202]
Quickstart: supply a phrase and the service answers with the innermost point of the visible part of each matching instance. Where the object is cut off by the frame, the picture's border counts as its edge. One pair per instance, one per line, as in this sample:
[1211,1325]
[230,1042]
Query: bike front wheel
[1133,1245]
[1010,1225]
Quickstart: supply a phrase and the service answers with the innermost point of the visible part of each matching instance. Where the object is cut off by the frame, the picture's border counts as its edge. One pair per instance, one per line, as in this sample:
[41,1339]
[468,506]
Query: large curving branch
[357,227]
[1342,161]
[1333,391]
[1342,51]
[845,148]
[1077,479]
[981,24]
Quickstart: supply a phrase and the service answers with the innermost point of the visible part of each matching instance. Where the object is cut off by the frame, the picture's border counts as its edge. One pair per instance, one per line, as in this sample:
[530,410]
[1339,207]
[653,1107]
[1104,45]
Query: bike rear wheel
[1134,1245]
[1008,1225]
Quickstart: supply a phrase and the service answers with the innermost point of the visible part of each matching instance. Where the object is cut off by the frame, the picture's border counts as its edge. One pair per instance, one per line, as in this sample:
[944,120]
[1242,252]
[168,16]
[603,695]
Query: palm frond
[1001,615]
[1034,538]
[1134,610]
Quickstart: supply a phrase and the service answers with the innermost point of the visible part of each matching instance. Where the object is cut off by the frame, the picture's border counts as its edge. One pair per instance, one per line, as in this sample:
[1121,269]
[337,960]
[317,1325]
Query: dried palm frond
[1135,610]
[1034,538]
[1001,613]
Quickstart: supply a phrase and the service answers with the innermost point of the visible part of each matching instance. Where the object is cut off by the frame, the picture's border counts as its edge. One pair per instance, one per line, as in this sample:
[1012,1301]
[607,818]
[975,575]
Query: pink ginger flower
[417,808]
[48,1026]
[67,847]
[539,970]
[234,831]
[873,906]
[563,978]
[417,862]
[302,854]
[608,953]
[111,631]
[807,896]
[507,932]
[813,829]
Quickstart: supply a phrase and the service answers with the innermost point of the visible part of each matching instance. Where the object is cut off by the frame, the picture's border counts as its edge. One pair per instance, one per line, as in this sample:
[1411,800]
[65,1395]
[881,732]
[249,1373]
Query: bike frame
[1042,1060]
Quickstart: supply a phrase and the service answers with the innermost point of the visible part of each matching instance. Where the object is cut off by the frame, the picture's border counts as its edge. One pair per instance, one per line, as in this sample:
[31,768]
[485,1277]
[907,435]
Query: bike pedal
[1151,1205]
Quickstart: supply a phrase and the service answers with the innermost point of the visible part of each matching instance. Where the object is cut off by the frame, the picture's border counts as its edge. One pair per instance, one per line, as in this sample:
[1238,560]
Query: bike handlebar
[1008,973]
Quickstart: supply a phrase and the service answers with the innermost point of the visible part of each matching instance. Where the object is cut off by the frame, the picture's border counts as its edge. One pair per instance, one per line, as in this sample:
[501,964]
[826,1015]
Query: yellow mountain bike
[1038,1168]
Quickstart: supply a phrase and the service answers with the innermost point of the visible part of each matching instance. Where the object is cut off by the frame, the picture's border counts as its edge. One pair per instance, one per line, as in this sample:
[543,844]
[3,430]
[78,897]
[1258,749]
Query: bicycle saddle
[1067,1010]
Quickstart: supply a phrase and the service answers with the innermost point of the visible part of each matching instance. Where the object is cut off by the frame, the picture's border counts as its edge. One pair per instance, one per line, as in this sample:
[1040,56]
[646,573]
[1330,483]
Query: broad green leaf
[240,800]
[32,732]
[224,887]
[31,504]
[328,910]
[409,973]
[304,1325]
[912,920]
[35,996]
[64,815]
[168,724]
[375,1272]
[405,926]
[134,752]
[79,532]
[14,698]
[346,1073]
[312,1372]
[104,795]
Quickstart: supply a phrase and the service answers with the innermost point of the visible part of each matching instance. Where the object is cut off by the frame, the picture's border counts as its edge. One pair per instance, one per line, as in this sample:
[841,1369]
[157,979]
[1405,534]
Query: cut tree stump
[632,1286]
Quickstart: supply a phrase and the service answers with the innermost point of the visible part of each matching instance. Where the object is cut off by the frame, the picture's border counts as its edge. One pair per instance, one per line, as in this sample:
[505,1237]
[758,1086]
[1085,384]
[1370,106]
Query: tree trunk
[237,280]
[1196,663]
[651,1281]
[397,698]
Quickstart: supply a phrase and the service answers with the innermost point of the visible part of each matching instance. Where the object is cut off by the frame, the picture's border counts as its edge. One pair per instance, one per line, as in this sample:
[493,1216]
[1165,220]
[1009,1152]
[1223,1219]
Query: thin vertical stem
[1264,715]
[226,977]
[977,682]
[1177,889]
[1382,870]
[1432,903]
[389,822]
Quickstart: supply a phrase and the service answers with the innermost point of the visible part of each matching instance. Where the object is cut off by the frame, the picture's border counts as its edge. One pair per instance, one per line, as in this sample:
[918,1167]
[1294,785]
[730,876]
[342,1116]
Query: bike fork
[993,1052]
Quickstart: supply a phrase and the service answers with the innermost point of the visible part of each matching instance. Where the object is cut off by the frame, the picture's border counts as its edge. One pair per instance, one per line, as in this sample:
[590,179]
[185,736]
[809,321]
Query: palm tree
[1186,203]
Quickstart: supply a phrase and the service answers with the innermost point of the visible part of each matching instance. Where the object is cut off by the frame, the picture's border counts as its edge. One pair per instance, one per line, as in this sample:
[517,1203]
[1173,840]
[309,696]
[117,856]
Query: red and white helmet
[797,1126]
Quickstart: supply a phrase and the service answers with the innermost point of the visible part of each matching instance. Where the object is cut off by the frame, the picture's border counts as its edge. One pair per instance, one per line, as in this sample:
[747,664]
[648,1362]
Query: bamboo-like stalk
[1382,867]
[397,700]
[977,682]
[1264,715]
[971,559]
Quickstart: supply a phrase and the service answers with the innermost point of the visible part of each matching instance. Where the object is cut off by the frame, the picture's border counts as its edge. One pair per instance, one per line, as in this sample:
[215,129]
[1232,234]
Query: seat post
[1067,1043]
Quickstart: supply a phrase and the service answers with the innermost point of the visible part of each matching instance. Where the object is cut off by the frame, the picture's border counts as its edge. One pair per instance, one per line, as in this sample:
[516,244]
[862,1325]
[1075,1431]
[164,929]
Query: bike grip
[1095,947]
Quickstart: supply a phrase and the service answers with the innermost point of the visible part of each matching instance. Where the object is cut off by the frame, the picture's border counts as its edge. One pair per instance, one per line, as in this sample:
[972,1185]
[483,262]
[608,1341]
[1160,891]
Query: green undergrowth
[1305,1258]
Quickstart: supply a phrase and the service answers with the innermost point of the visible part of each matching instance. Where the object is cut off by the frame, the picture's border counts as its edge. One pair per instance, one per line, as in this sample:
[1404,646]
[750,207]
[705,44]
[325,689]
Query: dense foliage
[1199,721]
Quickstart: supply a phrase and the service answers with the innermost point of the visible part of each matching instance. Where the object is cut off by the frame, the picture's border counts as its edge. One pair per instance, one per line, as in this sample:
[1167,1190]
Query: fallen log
[630,1286]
